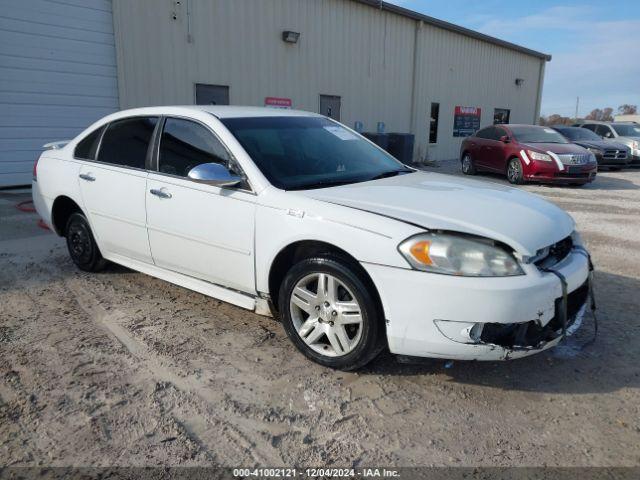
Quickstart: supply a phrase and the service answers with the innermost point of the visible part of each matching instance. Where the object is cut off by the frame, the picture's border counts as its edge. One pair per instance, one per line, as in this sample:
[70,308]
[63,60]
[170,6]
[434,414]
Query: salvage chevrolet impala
[292,214]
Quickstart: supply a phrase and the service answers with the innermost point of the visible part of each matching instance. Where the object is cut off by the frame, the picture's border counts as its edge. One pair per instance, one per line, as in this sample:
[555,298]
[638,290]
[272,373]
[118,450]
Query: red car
[527,153]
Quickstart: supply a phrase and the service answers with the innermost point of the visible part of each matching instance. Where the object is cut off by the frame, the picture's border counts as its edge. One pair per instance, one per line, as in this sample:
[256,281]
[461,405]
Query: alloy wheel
[514,171]
[326,315]
[466,164]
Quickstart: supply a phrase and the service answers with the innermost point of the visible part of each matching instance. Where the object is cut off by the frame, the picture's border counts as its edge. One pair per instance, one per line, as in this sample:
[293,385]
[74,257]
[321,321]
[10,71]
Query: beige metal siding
[362,54]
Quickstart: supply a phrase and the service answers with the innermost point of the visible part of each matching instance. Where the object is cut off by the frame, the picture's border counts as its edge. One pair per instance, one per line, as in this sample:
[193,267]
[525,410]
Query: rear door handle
[159,193]
[87,177]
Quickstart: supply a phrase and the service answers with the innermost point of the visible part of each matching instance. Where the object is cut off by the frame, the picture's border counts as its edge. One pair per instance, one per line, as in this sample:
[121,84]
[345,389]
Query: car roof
[220,111]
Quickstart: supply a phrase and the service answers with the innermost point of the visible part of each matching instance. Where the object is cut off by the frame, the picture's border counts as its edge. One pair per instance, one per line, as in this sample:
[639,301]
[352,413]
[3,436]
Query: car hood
[601,144]
[434,201]
[559,148]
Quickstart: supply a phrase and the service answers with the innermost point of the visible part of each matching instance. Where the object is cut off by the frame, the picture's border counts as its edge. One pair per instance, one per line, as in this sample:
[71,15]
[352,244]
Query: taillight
[35,170]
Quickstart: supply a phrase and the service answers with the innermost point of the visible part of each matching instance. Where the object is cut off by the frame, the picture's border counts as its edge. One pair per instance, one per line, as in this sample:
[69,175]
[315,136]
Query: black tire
[515,175]
[371,340]
[81,244]
[468,167]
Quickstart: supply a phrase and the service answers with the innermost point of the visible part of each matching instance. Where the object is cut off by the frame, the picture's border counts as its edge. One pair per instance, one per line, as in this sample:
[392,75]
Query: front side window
[534,134]
[185,144]
[604,131]
[126,142]
[88,146]
[297,153]
[487,133]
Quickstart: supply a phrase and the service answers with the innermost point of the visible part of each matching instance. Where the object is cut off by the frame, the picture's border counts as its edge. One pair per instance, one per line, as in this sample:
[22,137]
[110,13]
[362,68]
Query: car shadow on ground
[602,182]
[613,359]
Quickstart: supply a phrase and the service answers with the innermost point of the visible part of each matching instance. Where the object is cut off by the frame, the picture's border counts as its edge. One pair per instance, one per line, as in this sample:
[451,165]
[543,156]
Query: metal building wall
[346,48]
[57,75]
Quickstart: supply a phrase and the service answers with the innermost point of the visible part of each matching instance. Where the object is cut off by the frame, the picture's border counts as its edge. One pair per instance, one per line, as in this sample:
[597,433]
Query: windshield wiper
[391,173]
[323,184]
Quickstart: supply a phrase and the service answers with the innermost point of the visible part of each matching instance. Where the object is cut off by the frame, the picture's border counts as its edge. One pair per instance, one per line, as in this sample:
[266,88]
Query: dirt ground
[119,368]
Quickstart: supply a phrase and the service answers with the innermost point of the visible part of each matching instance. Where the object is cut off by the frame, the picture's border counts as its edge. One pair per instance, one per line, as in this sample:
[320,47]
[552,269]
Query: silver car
[627,133]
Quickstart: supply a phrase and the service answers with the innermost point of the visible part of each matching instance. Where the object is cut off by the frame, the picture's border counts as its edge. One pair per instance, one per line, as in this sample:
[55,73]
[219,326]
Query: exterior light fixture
[519,81]
[290,37]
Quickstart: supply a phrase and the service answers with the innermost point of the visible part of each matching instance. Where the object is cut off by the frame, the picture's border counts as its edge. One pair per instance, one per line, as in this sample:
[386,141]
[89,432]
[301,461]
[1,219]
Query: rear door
[113,188]
[196,229]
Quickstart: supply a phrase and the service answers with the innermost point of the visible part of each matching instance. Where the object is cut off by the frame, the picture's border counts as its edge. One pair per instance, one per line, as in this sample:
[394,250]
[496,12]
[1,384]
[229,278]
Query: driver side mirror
[214,174]
[505,139]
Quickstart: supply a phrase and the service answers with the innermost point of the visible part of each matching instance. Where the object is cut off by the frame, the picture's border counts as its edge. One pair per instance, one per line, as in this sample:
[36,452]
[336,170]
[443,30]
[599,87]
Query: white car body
[223,242]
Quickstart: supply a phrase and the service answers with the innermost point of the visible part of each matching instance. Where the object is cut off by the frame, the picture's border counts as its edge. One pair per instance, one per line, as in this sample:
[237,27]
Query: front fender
[365,236]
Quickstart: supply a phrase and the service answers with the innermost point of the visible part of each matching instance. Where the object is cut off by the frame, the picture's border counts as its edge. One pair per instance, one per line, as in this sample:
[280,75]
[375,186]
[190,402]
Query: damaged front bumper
[463,318]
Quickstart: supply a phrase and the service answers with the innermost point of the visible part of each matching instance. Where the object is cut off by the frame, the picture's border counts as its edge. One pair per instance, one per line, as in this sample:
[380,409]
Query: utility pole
[577,104]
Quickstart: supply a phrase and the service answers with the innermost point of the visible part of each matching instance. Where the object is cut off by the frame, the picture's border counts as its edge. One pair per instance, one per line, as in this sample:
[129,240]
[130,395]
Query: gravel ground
[119,368]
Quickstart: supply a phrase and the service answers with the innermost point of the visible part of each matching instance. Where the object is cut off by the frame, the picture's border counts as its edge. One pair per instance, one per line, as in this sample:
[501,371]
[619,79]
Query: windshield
[579,134]
[297,153]
[627,130]
[533,134]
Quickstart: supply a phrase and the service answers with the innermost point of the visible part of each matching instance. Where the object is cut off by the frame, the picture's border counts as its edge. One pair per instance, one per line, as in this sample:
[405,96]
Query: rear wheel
[514,171]
[82,246]
[329,313]
[468,168]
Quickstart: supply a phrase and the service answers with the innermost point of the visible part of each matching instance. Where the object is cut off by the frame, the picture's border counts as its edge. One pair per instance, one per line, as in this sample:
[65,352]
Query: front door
[330,106]
[113,188]
[195,229]
[494,153]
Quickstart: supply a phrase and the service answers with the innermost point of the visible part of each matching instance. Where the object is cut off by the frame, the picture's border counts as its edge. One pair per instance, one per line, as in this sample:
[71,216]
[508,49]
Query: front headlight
[543,157]
[459,255]
[636,144]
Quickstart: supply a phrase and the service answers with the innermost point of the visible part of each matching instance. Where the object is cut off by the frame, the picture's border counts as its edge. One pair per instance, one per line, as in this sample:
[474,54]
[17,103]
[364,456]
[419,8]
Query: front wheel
[514,171]
[82,246]
[329,313]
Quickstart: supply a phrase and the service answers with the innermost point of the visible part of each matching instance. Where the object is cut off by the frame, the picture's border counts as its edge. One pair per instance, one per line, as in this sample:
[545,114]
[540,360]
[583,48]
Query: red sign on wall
[466,121]
[275,102]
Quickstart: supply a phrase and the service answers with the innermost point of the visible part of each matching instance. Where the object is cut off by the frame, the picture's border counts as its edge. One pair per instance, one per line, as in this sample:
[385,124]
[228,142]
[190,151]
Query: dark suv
[608,153]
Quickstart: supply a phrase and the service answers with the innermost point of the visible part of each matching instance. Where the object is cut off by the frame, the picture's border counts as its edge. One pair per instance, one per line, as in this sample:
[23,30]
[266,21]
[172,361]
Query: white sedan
[291,213]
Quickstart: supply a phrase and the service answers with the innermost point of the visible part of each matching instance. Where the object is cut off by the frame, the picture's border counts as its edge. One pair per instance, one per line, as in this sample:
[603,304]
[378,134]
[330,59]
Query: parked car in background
[608,153]
[527,153]
[627,133]
[353,251]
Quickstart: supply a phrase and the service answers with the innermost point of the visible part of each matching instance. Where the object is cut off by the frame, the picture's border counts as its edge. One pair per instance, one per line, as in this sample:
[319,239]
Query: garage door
[57,75]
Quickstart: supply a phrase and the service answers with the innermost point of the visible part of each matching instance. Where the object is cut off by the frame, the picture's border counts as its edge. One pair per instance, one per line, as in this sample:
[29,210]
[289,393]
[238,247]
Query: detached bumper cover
[520,314]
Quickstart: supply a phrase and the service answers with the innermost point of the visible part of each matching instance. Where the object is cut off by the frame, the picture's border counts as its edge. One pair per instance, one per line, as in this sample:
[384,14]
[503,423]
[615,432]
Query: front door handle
[159,193]
[87,177]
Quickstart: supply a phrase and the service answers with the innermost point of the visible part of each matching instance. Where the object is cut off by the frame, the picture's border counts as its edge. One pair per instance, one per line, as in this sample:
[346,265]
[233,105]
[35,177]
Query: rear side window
[88,146]
[126,142]
[185,144]
[590,126]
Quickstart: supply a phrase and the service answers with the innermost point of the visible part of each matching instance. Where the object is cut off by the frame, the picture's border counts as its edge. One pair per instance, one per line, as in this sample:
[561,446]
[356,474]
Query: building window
[433,123]
[501,115]
[212,94]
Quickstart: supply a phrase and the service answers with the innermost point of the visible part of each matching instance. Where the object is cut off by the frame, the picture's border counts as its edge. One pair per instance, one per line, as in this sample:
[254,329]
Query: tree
[627,109]
[604,115]
[595,114]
